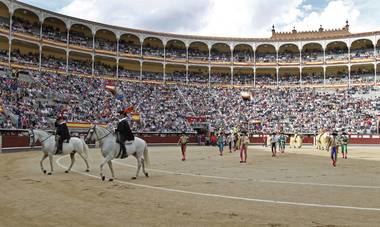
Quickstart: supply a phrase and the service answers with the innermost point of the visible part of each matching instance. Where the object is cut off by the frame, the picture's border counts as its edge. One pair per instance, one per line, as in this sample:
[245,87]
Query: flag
[136,117]
[246,95]
[111,89]
[129,110]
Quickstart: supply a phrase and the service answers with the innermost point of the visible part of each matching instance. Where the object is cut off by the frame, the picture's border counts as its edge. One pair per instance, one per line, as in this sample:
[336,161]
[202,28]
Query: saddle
[129,145]
[66,140]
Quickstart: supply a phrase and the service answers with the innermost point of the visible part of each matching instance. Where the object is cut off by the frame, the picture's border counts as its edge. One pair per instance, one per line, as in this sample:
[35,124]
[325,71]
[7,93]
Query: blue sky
[235,18]
[54,5]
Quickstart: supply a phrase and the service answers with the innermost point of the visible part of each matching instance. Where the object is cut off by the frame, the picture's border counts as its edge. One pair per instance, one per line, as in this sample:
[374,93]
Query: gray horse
[110,150]
[75,145]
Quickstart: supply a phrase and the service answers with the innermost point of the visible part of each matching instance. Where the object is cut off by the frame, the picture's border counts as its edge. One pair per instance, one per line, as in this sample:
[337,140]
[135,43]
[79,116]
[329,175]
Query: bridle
[92,130]
[34,137]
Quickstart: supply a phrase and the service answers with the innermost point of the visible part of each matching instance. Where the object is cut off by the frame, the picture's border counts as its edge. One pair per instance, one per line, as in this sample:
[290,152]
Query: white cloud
[333,15]
[237,18]
[164,15]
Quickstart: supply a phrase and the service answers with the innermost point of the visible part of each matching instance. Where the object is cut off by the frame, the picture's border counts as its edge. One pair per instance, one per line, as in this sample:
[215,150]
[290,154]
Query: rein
[97,137]
[46,138]
[34,138]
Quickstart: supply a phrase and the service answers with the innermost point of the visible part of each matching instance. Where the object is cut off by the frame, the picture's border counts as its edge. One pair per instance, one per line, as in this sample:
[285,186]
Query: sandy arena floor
[298,188]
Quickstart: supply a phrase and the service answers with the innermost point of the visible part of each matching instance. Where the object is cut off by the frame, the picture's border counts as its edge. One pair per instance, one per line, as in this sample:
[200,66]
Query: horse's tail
[146,155]
[85,149]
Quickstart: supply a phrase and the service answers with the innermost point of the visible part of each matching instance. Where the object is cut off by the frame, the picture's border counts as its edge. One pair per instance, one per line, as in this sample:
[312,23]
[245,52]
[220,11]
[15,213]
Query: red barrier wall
[9,141]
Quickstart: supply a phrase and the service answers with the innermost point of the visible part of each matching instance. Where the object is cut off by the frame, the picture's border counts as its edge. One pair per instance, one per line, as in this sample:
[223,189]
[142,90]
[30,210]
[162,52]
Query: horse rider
[62,133]
[123,133]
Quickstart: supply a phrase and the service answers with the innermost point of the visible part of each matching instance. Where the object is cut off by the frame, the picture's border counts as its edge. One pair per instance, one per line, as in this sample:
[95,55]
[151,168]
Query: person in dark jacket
[62,133]
[123,133]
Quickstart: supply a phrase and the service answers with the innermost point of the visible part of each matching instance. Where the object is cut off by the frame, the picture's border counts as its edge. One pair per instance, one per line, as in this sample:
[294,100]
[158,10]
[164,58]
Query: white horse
[322,141]
[110,150]
[296,141]
[75,145]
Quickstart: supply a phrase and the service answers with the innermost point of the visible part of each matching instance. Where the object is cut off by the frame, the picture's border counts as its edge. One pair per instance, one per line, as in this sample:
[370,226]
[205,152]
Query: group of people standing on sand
[234,140]
[240,141]
[277,140]
[335,141]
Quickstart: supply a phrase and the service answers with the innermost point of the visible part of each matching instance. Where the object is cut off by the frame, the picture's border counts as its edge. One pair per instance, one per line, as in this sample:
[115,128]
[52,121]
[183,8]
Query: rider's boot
[123,151]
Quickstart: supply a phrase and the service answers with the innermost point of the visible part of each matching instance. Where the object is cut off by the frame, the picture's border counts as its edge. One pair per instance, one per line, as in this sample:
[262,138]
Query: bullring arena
[302,87]
[298,188]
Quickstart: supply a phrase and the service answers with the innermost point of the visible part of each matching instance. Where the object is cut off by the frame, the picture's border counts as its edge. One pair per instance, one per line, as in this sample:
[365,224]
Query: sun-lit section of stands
[42,40]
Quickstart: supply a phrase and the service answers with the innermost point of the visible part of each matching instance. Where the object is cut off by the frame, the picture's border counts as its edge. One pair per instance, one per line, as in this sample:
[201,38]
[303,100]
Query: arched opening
[363,74]
[153,72]
[312,54]
[53,58]
[243,76]
[129,46]
[80,63]
[24,53]
[312,75]
[4,49]
[198,53]
[198,74]
[362,50]
[25,22]
[104,66]
[80,37]
[337,75]
[221,53]
[220,75]
[266,76]
[289,76]
[336,52]
[175,73]
[129,69]
[289,54]
[105,42]
[176,51]
[378,50]
[54,29]
[153,48]
[266,55]
[377,73]
[4,18]
[243,54]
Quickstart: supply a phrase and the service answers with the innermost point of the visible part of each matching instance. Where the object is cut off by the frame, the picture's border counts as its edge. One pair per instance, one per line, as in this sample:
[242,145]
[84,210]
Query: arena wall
[15,139]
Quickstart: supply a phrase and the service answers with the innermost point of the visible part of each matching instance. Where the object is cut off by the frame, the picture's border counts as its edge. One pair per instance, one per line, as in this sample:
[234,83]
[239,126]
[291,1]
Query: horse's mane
[105,130]
[41,132]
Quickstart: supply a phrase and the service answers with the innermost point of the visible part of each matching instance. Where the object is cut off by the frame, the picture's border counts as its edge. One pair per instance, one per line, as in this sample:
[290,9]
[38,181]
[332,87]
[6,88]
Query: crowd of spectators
[4,22]
[53,62]
[29,59]
[198,55]
[80,66]
[50,61]
[25,26]
[164,108]
[103,69]
[104,44]
[129,74]
[266,58]
[53,33]
[152,51]
[129,48]
[80,39]
[173,53]
[362,53]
